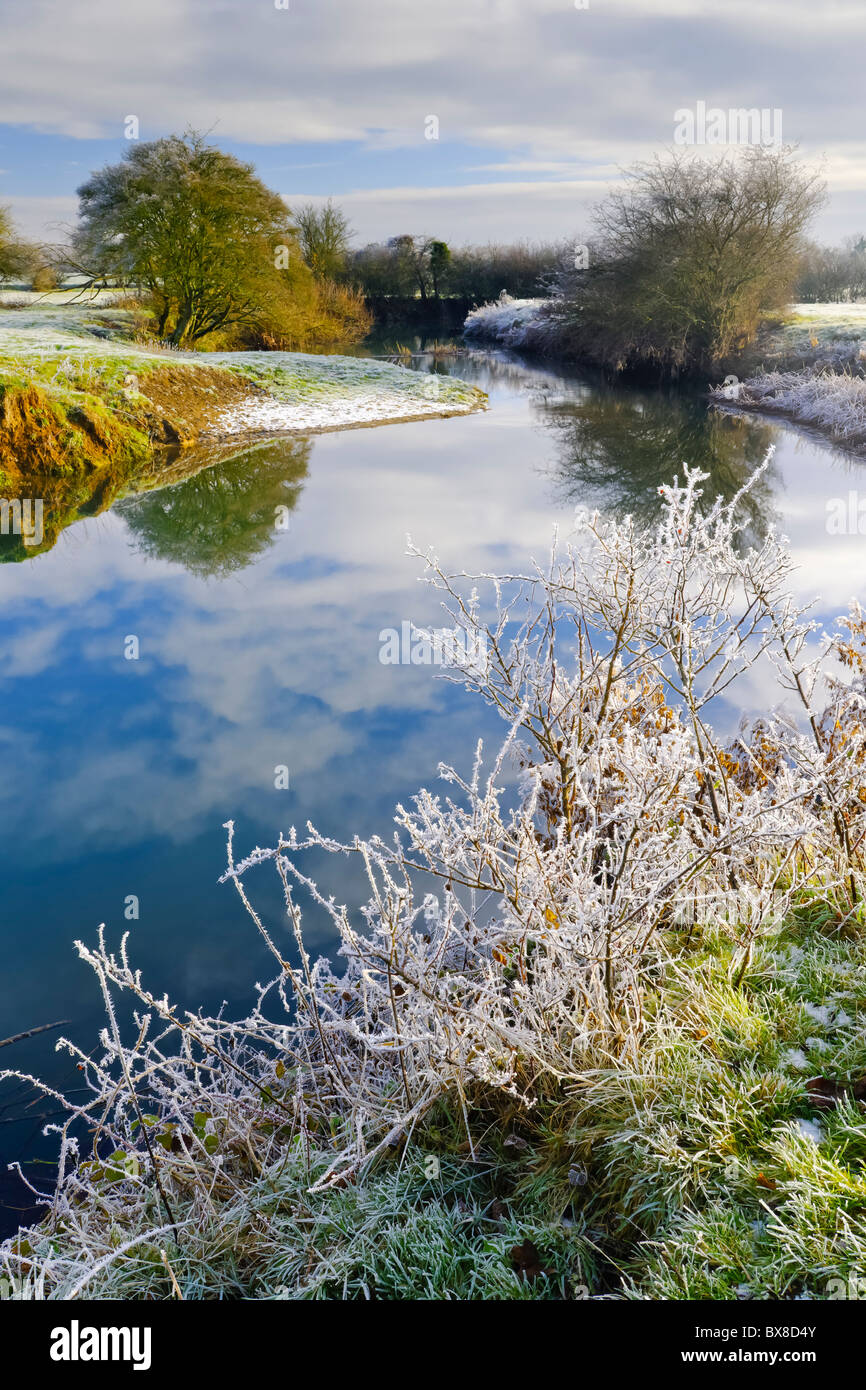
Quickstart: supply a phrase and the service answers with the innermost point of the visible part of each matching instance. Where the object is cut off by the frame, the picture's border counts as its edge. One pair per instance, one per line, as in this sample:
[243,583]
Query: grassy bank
[84,408]
[813,337]
[729,1162]
[809,368]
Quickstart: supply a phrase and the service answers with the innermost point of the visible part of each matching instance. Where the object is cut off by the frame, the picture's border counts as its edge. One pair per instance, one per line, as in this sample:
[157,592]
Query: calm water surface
[261,648]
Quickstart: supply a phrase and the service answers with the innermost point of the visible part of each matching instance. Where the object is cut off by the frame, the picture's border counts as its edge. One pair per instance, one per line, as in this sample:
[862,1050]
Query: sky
[471,120]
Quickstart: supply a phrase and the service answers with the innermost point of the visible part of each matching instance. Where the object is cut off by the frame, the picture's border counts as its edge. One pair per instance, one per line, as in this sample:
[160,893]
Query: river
[259,648]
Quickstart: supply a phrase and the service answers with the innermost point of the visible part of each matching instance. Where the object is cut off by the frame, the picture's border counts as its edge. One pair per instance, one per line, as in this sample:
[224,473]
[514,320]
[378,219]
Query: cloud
[496,71]
[537,83]
[44,218]
[473,212]
[526,166]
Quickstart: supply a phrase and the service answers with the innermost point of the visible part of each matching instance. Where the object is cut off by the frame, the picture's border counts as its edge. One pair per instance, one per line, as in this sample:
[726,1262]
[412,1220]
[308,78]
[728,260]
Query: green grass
[85,342]
[703,1170]
[713,1185]
[829,336]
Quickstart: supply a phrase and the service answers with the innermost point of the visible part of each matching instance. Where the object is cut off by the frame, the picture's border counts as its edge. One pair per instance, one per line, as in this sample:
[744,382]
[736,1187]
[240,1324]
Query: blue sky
[538,103]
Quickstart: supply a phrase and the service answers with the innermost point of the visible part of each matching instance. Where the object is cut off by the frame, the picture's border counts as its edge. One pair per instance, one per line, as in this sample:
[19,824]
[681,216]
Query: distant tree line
[833,274]
[406,266]
[419,265]
[423,267]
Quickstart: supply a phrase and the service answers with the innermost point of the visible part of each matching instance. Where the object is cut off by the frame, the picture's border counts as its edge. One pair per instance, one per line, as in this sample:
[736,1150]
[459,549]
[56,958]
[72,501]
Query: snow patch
[821,1013]
[256,415]
[796,1059]
[809,1130]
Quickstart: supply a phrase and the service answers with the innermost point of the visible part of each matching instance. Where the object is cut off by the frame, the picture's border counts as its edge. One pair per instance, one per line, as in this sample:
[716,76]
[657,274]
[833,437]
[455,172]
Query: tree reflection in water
[219,520]
[616,445]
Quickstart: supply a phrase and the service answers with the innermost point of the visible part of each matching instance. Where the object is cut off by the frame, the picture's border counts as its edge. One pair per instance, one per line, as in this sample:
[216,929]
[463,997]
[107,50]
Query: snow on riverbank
[294,391]
[258,415]
[835,403]
[817,336]
[307,393]
[509,323]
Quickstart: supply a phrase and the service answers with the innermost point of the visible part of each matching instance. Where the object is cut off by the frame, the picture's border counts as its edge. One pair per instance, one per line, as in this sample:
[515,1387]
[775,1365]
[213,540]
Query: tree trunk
[184,323]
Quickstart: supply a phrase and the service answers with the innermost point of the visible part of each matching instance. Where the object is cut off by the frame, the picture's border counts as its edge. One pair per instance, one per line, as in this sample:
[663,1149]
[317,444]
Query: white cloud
[536,82]
[498,71]
[42,218]
[472,212]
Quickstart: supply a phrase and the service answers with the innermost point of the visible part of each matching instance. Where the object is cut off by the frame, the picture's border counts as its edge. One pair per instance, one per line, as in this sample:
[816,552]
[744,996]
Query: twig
[31,1032]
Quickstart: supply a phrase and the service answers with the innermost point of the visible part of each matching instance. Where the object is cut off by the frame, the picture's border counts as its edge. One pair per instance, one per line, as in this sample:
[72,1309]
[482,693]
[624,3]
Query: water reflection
[615,449]
[614,445]
[220,519]
[62,500]
[257,654]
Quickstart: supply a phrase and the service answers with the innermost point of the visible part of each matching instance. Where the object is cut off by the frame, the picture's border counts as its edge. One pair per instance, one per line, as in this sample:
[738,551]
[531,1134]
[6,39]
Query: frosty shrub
[834,401]
[515,929]
[519,324]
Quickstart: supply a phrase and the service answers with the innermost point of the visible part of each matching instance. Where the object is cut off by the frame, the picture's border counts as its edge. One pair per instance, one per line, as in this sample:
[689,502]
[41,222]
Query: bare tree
[324,234]
[687,257]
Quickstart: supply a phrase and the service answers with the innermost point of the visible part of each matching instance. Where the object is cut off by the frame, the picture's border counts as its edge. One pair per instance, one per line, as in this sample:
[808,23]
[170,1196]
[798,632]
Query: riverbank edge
[828,406]
[76,410]
[82,418]
[816,385]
